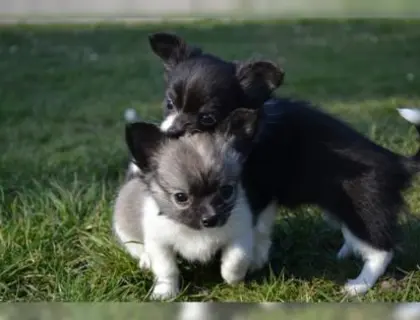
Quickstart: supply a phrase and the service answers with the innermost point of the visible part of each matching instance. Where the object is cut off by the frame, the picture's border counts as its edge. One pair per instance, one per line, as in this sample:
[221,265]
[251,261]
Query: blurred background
[77,10]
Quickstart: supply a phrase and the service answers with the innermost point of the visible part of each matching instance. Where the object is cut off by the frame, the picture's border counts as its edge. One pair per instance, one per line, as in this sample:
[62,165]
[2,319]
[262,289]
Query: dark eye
[227,191]
[181,198]
[207,119]
[169,104]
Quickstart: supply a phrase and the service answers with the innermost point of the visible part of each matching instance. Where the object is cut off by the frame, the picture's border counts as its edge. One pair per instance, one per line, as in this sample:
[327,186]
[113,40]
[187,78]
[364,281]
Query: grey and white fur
[187,199]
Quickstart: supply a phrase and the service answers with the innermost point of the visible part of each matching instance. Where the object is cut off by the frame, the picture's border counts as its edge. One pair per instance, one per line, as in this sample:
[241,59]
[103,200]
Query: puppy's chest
[194,246]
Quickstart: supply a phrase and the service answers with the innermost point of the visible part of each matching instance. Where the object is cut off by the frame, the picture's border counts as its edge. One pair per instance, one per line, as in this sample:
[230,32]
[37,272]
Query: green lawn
[63,91]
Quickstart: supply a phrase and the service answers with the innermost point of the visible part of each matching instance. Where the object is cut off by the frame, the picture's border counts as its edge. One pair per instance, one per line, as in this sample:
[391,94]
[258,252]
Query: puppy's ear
[143,139]
[171,49]
[259,79]
[241,127]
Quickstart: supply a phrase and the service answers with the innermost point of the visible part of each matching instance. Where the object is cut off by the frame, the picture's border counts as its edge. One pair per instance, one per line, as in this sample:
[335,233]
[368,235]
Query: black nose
[210,221]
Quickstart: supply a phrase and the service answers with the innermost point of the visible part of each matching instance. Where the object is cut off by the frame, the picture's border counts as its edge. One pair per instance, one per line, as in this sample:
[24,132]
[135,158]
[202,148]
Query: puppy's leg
[345,251]
[165,269]
[335,223]
[262,236]
[137,251]
[236,258]
[375,263]
[134,248]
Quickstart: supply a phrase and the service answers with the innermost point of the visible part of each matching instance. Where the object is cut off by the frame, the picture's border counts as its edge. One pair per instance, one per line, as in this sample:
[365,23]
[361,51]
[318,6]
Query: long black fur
[306,156]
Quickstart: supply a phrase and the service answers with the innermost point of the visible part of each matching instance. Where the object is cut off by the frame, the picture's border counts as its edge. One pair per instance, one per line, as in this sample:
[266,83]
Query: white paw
[164,291]
[233,274]
[145,262]
[355,287]
[344,252]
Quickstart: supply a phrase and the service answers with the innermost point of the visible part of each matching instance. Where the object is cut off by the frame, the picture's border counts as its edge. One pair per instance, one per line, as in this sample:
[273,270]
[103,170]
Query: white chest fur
[194,245]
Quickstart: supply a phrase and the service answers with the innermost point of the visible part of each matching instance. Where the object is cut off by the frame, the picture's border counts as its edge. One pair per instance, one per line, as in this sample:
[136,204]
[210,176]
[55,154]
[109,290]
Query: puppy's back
[128,211]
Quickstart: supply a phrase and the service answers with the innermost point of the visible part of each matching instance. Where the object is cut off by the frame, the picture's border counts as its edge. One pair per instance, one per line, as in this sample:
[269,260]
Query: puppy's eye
[227,191]
[170,104]
[207,119]
[181,198]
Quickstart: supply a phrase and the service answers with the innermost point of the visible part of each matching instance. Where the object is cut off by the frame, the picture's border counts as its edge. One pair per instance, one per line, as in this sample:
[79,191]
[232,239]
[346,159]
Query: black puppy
[202,89]
[306,156]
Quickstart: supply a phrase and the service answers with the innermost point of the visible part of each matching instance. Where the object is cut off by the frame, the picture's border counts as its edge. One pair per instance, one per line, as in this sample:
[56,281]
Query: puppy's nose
[210,221]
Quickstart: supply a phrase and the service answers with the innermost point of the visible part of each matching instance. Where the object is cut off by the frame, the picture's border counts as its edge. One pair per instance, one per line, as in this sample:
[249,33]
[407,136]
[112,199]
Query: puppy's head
[202,89]
[194,179]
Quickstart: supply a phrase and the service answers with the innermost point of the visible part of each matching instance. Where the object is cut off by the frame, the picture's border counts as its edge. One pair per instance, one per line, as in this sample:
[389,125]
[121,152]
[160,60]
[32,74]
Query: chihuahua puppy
[306,156]
[188,201]
[202,89]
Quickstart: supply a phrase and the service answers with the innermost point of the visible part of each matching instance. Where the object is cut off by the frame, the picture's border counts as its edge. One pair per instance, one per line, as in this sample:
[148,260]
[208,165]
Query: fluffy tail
[130,115]
[412,115]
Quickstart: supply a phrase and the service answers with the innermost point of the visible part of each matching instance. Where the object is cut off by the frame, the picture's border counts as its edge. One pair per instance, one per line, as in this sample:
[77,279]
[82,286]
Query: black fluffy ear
[259,79]
[143,139]
[241,126]
[171,49]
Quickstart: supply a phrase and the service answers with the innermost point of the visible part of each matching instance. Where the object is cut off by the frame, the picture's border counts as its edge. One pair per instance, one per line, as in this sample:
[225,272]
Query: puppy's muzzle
[213,220]
[210,221]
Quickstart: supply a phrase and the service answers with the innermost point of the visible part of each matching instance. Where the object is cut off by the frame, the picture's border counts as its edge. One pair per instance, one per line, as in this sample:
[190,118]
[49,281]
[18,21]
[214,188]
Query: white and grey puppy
[188,199]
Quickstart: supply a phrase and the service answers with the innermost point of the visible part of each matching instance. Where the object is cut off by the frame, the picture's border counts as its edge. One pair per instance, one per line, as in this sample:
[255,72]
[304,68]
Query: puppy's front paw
[356,287]
[144,262]
[233,274]
[164,291]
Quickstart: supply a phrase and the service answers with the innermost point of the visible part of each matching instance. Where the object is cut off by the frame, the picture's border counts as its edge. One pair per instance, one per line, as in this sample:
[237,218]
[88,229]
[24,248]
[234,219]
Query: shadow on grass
[304,249]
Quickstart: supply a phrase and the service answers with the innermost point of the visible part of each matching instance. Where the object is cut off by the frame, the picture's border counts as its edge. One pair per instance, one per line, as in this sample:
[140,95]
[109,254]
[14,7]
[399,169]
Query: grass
[63,91]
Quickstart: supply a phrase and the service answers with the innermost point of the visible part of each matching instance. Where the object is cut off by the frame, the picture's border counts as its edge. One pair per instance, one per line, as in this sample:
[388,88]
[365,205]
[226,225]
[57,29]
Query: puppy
[202,89]
[188,201]
[306,156]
